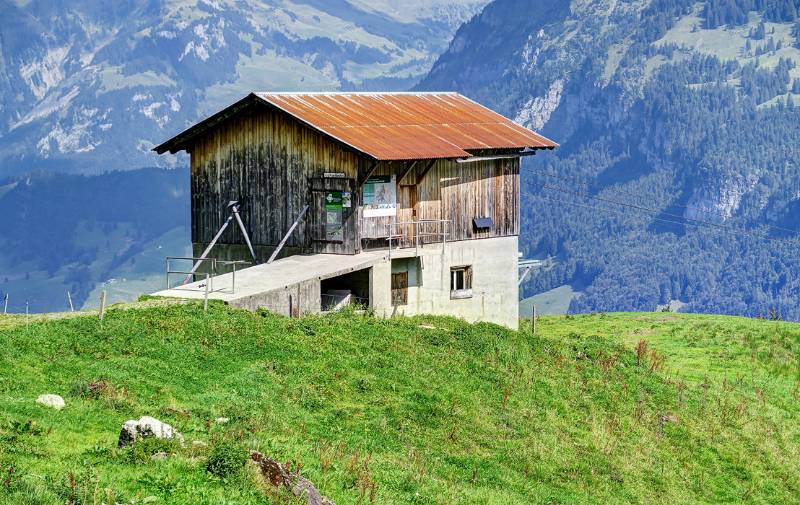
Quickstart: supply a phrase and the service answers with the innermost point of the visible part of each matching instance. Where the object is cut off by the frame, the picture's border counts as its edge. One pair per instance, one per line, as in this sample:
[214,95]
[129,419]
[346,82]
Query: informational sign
[333,175]
[333,216]
[380,196]
[347,200]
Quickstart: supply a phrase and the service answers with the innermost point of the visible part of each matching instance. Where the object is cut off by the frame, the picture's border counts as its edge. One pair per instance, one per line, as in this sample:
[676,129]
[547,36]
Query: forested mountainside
[90,86]
[82,234]
[677,177]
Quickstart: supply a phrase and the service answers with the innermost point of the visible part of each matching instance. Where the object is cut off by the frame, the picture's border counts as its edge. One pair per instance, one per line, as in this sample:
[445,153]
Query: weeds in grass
[506,395]
[417,468]
[71,498]
[101,389]
[7,479]
[359,472]
[26,427]
[641,352]
[326,455]
[656,361]
[607,362]
[681,387]
[145,448]
[227,459]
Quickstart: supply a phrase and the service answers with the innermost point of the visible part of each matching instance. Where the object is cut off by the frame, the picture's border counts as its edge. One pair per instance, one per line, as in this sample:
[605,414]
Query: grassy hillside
[441,412]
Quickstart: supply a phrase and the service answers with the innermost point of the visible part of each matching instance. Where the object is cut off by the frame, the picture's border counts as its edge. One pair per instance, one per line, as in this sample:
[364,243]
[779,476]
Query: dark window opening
[461,282]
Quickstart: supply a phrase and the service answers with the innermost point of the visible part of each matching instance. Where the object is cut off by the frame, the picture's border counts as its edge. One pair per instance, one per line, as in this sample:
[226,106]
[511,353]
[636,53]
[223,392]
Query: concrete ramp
[288,285]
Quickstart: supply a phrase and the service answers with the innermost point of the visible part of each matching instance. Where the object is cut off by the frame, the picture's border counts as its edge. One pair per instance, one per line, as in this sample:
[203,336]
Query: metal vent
[483,223]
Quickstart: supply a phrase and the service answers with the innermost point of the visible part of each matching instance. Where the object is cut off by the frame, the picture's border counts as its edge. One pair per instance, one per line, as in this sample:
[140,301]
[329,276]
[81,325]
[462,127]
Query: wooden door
[333,218]
[400,289]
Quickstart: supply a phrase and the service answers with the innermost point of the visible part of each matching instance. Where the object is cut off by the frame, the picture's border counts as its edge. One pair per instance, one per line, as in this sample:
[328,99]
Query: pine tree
[761,32]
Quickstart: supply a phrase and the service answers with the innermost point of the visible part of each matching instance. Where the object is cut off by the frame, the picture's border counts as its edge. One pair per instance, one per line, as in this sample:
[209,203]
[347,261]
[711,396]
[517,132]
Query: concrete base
[495,294]
[293,285]
[289,286]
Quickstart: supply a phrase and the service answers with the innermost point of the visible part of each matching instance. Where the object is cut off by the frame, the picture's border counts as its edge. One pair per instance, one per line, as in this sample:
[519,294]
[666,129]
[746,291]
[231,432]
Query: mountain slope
[394,411]
[92,86]
[678,175]
[71,232]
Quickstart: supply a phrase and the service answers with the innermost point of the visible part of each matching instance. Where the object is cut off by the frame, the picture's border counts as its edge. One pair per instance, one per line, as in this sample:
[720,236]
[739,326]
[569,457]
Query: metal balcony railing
[407,234]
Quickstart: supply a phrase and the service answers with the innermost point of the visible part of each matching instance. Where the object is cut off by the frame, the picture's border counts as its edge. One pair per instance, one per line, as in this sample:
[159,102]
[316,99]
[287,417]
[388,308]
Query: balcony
[382,233]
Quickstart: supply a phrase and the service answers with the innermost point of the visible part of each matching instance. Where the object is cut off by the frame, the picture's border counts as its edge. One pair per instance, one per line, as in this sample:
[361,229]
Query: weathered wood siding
[460,192]
[274,165]
[265,160]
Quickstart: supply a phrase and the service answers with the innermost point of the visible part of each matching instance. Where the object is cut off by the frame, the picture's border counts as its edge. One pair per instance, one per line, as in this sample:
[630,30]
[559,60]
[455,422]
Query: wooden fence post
[533,321]
[205,296]
[102,305]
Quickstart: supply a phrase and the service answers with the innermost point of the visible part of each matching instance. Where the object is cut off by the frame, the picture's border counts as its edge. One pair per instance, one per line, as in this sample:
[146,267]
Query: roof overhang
[442,146]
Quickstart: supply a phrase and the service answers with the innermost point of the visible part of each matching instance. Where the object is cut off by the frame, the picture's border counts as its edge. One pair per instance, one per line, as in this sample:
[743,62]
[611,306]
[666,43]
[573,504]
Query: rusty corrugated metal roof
[391,126]
[401,126]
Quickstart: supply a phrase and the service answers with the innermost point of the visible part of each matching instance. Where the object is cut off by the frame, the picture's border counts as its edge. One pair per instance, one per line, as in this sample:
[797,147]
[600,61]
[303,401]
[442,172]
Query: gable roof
[390,126]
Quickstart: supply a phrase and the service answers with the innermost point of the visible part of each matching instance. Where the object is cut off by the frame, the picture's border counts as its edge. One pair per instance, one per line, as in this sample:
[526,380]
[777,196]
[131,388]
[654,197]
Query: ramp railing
[213,271]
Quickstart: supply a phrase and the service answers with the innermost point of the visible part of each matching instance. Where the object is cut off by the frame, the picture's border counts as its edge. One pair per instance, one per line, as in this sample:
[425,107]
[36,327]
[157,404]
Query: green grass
[551,303]
[455,414]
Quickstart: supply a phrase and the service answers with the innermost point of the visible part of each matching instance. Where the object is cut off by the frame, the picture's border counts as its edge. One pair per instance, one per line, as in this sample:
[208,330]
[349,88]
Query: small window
[461,282]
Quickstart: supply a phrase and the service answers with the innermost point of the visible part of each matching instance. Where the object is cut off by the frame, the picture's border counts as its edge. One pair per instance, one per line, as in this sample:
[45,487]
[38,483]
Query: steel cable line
[629,193]
[654,214]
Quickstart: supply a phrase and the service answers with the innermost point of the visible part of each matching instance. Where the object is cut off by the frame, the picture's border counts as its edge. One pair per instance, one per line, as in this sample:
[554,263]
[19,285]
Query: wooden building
[432,179]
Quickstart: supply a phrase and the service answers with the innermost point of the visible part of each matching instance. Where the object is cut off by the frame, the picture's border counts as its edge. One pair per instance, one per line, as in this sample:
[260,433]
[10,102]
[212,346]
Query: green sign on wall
[334,216]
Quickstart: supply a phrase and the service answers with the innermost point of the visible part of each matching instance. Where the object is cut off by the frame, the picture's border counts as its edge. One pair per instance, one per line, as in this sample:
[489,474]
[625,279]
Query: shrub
[227,459]
[143,449]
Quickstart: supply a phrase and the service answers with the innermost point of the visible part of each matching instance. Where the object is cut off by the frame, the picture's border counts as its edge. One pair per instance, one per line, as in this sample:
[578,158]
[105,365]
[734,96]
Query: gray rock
[159,456]
[52,401]
[278,474]
[145,427]
[222,420]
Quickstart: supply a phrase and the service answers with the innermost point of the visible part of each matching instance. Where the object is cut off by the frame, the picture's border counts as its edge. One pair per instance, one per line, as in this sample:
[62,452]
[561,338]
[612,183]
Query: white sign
[380,196]
[333,175]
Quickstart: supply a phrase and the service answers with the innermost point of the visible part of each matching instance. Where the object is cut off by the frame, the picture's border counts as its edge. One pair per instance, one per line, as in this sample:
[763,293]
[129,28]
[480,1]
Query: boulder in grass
[52,401]
[145,427]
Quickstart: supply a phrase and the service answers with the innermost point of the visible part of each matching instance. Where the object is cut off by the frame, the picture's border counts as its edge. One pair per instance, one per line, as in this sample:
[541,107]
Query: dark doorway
[348,289]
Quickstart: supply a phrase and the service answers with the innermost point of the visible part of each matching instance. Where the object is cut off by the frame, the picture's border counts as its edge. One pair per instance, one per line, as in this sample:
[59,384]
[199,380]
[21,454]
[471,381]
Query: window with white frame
[461,282]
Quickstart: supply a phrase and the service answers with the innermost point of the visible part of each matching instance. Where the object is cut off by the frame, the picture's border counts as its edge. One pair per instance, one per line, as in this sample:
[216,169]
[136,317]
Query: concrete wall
[495,295]
[303,298]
